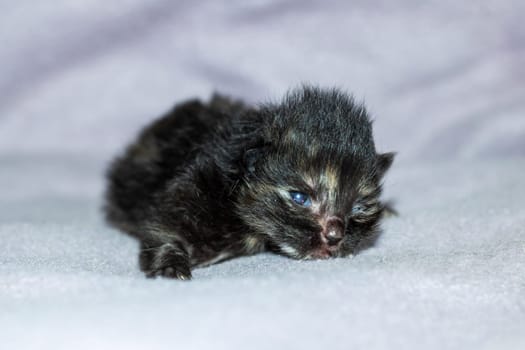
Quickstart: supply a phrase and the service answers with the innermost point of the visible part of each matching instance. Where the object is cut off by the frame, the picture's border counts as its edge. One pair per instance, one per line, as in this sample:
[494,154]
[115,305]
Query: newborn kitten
[212,181]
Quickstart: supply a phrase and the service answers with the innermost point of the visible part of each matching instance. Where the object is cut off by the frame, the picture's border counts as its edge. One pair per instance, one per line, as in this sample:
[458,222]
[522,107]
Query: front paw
[168,260]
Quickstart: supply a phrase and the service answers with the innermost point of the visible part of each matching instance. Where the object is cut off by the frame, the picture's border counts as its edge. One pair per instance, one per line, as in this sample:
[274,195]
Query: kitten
[211,181]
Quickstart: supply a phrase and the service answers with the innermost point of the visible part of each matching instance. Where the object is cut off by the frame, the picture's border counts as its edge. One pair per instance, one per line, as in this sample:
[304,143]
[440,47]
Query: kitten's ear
[383,163]
[251,157]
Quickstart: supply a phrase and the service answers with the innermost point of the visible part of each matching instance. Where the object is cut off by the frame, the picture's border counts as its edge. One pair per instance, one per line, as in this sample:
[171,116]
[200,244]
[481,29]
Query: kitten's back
[160,152]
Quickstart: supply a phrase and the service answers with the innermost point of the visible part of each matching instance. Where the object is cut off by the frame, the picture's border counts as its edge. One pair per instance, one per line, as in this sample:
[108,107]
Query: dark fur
[208,181]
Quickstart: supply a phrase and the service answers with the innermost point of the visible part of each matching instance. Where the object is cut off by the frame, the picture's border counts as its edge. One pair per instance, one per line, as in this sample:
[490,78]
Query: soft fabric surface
[445,82]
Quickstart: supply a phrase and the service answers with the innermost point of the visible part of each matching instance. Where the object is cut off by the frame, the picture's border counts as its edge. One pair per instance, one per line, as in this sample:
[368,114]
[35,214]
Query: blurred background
[442,79]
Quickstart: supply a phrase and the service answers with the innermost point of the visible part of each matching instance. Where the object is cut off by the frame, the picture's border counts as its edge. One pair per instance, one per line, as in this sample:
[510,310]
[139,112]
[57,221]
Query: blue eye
[301,198]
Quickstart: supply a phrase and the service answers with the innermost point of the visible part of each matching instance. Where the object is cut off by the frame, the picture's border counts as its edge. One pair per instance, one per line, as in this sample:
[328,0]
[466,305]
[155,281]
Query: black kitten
[208,182]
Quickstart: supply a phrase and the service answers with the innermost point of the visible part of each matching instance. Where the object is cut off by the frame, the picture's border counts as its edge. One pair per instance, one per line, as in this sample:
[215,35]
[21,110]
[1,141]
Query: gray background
[442,78]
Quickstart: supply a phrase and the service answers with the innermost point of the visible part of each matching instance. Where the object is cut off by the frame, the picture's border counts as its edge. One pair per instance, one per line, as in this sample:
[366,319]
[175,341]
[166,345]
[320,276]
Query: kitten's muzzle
[333,239]
[333,231]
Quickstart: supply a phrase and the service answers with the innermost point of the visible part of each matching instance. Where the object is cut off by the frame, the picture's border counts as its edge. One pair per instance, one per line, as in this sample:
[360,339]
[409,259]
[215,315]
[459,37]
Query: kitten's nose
[334,231]
[333,240]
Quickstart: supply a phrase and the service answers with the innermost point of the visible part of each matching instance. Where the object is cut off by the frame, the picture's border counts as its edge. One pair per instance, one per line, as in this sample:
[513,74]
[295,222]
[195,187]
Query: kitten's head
[312,185]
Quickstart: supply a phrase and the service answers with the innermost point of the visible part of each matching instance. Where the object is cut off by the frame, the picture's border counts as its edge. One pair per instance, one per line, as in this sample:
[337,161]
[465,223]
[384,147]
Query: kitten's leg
[166,259]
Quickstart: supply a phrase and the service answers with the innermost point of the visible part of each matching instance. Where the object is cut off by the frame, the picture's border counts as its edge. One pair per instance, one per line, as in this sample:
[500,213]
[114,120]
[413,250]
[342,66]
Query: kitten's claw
[167,261]
[169,272]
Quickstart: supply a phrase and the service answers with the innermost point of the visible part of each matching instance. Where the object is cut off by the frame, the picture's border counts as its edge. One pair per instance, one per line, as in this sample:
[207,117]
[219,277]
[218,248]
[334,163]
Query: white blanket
[445,83]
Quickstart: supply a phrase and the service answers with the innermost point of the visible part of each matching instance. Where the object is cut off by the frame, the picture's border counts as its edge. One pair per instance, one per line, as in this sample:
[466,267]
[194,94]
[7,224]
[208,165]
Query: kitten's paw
[168,260]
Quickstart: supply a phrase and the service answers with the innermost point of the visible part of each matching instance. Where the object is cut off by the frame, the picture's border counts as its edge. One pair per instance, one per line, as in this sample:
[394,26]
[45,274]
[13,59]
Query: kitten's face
[312,183]
[314,207]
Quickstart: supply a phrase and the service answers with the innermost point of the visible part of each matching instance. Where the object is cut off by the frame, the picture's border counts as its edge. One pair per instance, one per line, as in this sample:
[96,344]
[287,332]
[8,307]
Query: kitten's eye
[301,198]
[358,209]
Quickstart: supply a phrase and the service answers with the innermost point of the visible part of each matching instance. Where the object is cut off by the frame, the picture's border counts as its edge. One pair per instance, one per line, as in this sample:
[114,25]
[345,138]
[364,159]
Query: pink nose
[333,231]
